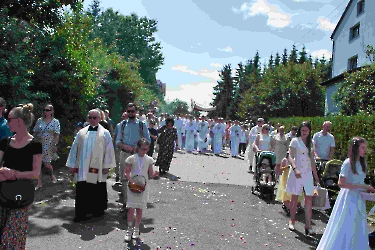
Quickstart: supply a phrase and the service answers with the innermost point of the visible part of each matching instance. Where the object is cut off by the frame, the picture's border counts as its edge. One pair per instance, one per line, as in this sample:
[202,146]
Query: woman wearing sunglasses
[47,131]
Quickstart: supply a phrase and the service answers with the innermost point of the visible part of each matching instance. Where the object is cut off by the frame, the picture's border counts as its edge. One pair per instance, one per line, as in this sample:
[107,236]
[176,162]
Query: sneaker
[128,235]
[136,233]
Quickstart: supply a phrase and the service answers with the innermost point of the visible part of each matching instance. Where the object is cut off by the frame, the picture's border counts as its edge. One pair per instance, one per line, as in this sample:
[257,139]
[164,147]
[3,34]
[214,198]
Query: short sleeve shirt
[20,159]
[302,157]
[323,144]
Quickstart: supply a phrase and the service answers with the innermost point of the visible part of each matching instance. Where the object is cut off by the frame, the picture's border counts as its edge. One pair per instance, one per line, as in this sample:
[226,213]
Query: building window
[352,62]
[360,7]
[354,32]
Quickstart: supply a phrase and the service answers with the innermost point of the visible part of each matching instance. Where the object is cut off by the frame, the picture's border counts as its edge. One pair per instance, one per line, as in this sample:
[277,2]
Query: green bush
[343,129]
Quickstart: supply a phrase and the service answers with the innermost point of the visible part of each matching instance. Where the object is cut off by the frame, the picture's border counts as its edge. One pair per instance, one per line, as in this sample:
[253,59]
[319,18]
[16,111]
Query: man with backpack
[127,136]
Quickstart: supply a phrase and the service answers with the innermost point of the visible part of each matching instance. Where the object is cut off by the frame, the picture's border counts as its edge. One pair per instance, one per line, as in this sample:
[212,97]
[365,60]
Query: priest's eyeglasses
[93,117]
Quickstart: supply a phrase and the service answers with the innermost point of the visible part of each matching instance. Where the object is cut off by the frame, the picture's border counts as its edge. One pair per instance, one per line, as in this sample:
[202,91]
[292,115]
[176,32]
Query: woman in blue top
[347,226]
[4,128]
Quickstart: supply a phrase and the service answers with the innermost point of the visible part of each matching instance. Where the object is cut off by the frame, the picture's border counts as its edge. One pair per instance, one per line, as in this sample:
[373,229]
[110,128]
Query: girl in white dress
[301,174]
[138,164]
[347,225]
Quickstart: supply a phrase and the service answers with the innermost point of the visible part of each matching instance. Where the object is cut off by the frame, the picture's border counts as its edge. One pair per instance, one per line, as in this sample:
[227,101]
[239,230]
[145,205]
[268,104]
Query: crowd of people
[130,146]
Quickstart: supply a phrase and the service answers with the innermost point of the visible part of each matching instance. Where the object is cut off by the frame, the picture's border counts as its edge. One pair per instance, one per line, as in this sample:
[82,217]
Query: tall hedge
[343,129]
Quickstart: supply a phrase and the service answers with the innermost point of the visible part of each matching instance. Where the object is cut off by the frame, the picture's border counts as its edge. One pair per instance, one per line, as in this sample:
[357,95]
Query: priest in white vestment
[219,133]
[203,130]
[90,159]
[191,129]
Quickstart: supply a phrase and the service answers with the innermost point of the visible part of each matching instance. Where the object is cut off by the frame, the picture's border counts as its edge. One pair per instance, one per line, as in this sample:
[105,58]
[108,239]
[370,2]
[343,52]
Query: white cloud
[212,74]
[216,65]
[276,18]
[325,24]
[227,49]
[319,54]
[201,92]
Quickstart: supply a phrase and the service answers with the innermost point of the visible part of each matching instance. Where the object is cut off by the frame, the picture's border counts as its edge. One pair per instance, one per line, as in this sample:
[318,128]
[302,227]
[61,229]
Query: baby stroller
[330,179]
[265,164]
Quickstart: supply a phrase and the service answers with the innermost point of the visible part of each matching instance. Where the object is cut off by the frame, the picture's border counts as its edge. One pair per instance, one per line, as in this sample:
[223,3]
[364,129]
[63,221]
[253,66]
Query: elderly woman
[167,138]
[22,159]
[47,131]
[280,143]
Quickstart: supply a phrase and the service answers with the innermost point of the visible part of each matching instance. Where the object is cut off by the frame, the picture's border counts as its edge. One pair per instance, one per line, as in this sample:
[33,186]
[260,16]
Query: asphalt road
[209,207]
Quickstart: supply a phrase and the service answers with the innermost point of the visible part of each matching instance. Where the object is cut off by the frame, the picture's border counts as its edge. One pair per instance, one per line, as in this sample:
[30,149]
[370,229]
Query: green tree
[357,93]
[223,93]
[271,62]
[94,10]
[176,106]
[133,38]
[43,14]
[277,59]
[293,55]
[284,57]
[302,55]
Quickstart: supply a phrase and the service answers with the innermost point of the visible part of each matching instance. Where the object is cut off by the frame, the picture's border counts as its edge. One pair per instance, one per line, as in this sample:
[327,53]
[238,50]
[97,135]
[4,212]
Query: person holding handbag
[47,131]
[21,160]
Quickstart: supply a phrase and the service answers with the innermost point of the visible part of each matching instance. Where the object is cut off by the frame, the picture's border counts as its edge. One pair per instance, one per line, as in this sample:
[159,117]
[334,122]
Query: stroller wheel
[252,190]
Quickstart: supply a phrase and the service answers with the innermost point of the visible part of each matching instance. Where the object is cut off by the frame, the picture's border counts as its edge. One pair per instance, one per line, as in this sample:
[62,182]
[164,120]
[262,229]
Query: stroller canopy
[268,154]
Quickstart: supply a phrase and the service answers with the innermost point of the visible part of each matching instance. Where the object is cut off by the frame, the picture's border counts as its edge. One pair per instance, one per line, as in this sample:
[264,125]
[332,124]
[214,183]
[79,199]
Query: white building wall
[346,48]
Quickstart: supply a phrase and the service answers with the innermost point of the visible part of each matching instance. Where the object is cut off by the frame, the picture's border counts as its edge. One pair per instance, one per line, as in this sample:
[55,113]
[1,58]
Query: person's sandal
[128,235]
[291,227]
[136,233]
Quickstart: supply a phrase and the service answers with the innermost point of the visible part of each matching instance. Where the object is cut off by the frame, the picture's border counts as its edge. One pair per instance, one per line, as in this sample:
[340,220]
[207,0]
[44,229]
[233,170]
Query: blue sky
[198,37]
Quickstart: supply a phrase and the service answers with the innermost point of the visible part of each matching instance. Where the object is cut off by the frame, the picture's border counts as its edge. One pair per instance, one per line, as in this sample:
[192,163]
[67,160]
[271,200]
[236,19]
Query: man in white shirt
[324,142]
[179,123]
[293,133]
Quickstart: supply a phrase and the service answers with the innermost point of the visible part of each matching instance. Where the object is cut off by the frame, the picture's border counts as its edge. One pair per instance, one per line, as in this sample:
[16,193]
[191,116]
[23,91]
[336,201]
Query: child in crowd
[138,164]
[266,170]
[282,195]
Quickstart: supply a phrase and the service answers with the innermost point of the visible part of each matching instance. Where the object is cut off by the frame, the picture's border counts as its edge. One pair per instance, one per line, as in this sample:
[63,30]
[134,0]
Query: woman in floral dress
[47,131]
[167,138]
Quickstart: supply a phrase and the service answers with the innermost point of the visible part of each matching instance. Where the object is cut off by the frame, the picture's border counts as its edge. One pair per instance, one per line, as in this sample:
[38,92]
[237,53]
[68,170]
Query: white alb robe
[191,129]
[235,131]
[219,132]
[202,135]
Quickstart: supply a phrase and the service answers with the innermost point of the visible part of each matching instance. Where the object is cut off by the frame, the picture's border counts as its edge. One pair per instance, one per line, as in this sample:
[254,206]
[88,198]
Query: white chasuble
[92,155]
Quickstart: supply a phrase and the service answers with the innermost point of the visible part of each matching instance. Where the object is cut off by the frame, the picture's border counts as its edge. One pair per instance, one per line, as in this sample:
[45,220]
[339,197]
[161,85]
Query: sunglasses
[267,129]
[93,117]
[47,110]
[130,111]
